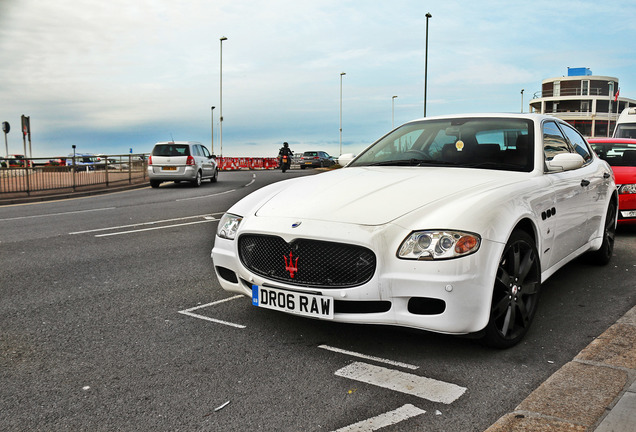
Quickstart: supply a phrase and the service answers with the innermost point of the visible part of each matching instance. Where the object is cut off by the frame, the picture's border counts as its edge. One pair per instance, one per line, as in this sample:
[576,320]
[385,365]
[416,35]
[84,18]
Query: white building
[590,103]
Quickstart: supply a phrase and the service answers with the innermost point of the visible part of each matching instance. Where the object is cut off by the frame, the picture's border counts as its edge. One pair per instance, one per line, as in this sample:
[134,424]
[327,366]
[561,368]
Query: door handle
[585,182]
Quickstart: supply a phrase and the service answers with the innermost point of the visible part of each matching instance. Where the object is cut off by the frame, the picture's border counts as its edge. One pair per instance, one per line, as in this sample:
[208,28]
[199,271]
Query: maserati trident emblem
[296,224]
[292,265]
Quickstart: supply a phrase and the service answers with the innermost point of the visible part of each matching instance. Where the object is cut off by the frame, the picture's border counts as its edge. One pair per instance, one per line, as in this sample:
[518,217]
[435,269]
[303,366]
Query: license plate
[628,213]
[308,163]
[168,168]
[293,302]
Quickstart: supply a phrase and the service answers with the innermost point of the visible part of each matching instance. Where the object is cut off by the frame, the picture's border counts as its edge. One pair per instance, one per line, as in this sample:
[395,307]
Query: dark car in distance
[315,159]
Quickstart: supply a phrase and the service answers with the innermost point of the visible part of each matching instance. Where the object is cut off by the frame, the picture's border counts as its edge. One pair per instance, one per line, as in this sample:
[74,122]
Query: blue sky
[110,76]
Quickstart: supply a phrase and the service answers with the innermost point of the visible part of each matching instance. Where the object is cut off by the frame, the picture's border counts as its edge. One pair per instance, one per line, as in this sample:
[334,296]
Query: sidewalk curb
[70,194]
[596,391]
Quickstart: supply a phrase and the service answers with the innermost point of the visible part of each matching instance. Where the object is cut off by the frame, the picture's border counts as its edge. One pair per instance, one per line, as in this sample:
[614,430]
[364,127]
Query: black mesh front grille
[307,262]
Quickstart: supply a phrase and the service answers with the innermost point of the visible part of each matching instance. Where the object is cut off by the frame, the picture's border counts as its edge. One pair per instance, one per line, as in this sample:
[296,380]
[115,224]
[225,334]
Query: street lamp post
[522,100]
[341,75]
[221,96]
[428,15]
[212,122]
[609,114]
[393,112]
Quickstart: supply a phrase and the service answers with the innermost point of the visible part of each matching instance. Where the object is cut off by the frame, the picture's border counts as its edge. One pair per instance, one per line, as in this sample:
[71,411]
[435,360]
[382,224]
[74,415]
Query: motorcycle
[285,162]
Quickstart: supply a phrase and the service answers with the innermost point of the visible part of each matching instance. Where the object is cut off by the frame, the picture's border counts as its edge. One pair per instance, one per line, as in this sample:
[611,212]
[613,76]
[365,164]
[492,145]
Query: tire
[603,256]
[215,177]
[515,293]
[197,180]
[155,183]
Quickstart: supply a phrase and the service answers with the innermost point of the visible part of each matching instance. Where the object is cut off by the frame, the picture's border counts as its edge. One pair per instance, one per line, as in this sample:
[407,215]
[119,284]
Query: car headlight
[437,245]
[228,226]
[627,189]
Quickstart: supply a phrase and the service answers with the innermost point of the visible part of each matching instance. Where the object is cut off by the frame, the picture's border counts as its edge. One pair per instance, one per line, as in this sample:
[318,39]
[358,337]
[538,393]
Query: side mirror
[212,157]
[344,159]
[565,162]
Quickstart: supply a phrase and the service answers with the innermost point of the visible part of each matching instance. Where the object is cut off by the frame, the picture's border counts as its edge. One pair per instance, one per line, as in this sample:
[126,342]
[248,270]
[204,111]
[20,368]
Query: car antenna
[172,137]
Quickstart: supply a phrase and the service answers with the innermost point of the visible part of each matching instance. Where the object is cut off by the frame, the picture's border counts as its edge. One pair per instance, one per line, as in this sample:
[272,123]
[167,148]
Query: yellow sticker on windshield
[459,145]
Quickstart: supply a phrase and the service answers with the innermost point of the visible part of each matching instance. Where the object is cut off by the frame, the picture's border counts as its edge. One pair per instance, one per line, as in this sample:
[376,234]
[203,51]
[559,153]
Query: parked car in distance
[56,162]
[16,161]
[83,161]
[620,153]
[447,224]
[315,159]
[181,161]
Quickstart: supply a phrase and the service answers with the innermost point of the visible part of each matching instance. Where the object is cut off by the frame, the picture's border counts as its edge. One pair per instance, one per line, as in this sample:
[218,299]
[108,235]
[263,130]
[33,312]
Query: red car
[620,153]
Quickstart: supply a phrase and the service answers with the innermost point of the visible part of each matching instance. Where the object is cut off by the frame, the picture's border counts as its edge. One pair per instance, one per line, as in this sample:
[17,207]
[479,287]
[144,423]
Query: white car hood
[377,195]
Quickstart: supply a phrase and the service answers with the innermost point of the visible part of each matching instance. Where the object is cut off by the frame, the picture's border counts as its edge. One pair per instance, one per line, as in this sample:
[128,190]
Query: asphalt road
[111,318]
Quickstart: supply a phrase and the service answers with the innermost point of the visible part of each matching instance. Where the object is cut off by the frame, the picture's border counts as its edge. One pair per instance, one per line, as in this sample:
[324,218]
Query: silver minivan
[181,161]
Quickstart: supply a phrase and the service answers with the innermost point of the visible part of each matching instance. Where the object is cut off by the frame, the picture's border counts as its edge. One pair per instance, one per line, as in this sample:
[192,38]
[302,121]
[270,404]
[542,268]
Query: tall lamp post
[221,96]
[428,15]
[393,112]
[609,114]
[341,75]
[212,122]
[522,100]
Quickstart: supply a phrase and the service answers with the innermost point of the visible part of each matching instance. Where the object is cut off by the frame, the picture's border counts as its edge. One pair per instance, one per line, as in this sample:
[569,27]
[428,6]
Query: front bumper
[627,208]
[449,296]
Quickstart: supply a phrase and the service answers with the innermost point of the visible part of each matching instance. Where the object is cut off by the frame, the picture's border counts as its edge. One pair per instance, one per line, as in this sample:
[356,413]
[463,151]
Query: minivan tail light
[190,161]
[149,160]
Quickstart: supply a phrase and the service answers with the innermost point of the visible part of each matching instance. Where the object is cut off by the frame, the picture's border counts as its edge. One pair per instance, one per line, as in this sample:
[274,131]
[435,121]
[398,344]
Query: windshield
[625,130]
[171,150]
[491,143]
[616,154]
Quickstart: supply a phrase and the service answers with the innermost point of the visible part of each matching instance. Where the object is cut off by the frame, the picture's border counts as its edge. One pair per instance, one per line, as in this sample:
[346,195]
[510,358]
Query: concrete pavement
[595,392]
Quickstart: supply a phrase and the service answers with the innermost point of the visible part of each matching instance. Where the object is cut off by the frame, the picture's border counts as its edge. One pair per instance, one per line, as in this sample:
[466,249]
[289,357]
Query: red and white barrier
[230,164]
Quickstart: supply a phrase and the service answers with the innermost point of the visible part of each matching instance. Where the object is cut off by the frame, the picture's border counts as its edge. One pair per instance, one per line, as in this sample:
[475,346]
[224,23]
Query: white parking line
[58,214]
[151,229]
[188,312]
[367,357]
[220,193]
[405,412]
[206,196]
[425,388]
[205,216]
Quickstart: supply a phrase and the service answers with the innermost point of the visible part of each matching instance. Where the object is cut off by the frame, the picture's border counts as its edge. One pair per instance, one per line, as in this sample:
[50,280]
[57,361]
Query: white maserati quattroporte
[448,224]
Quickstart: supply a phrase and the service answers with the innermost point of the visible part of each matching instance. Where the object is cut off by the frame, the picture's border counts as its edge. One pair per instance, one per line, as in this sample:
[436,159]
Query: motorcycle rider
[284,151]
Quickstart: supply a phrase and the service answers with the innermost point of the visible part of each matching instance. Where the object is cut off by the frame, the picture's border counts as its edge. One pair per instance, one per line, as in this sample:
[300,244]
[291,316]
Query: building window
[557,89]
[585,87]
[585,106]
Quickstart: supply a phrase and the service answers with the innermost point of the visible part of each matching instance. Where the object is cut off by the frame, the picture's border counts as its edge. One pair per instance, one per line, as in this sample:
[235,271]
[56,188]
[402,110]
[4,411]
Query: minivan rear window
[171,150]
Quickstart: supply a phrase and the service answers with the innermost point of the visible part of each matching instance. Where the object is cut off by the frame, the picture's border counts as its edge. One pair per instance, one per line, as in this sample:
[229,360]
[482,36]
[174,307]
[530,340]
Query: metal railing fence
[29,175]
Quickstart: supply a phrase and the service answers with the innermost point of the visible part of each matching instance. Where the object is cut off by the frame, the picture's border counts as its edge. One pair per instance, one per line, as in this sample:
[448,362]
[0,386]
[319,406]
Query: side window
[205,152]
[196,151]
[578,142]
[553,140]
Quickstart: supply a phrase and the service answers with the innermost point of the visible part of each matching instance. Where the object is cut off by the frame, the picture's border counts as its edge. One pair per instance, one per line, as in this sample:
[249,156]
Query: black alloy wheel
[515,293]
